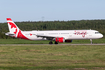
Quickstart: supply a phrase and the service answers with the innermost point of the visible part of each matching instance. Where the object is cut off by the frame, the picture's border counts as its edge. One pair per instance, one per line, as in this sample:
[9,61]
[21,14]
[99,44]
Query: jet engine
[60,39]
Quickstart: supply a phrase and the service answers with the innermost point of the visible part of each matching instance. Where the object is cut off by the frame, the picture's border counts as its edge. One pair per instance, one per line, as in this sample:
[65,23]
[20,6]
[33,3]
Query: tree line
[55,25]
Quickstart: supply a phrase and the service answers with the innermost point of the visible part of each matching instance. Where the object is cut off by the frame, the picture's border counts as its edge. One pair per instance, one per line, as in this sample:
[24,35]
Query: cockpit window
[97,33]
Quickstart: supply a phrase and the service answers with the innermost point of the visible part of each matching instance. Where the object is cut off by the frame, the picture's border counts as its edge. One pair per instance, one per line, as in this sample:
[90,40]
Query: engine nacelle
[68,41]
[60,39]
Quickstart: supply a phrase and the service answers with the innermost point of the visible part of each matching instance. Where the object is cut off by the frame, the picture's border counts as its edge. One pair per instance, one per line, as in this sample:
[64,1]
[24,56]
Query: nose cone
[100,35]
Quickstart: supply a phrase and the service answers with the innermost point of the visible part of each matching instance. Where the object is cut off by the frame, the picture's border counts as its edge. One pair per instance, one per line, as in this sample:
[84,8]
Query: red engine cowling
[60,39]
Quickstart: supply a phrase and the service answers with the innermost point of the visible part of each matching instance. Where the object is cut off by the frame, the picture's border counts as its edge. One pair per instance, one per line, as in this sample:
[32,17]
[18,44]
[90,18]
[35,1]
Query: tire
[50,42]
[56,42]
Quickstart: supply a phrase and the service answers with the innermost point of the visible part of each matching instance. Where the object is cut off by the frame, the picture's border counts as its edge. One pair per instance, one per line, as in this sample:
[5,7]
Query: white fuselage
[52,35]
[67,34]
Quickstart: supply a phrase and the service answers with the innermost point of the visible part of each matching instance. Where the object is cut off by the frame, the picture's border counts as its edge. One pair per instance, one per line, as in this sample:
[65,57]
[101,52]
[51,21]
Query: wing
[50,37]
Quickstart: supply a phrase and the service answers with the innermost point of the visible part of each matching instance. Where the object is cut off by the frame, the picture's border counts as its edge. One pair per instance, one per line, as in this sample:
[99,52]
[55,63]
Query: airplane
[58,36]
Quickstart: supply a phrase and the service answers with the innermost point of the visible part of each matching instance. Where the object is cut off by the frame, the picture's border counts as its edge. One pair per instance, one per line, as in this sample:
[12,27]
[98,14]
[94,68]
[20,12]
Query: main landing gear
[52,42]
[56,42]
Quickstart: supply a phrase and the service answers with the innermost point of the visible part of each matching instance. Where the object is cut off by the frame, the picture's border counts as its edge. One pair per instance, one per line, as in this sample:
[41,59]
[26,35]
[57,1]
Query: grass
[52,57]
[20,41]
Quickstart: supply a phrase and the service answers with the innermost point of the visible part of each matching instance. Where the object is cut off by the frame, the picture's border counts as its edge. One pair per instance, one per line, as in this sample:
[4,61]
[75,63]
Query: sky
[51,10]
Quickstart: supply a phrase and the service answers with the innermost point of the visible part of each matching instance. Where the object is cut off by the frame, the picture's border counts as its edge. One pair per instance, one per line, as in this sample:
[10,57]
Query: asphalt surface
[43,44]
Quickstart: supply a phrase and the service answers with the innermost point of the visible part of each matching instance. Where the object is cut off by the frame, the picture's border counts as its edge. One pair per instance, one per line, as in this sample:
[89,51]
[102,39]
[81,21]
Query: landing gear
[50,42]
[56,42]
[91,41]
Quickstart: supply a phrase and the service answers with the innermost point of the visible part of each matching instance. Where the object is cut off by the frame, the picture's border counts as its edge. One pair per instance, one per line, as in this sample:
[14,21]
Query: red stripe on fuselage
[21,36]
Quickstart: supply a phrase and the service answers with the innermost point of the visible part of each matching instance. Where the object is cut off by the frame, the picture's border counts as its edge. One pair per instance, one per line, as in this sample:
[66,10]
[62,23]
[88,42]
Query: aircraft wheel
[56,42]
[50,42]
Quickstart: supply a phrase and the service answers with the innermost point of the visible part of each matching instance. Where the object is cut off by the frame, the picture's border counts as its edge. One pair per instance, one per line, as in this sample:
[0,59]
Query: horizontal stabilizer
[10,34]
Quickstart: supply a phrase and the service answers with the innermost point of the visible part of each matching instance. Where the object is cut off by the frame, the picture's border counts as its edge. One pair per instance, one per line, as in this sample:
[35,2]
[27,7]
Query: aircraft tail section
[12,26]
[14,31]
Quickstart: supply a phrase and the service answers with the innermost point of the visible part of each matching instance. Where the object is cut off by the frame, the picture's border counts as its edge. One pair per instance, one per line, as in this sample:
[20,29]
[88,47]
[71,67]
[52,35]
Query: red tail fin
[15,30]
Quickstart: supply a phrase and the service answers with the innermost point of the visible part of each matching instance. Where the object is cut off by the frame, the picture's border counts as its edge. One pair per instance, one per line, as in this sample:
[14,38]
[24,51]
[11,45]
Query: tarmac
[43,44]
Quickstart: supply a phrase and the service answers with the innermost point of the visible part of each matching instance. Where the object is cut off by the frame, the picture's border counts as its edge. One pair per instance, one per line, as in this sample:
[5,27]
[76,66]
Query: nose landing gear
[91,41]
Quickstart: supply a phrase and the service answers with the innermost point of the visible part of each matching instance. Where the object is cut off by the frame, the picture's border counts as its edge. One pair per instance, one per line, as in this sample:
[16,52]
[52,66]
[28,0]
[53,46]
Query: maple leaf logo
[13,27]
